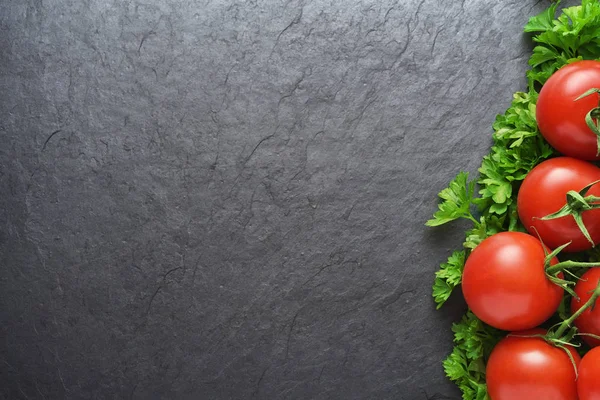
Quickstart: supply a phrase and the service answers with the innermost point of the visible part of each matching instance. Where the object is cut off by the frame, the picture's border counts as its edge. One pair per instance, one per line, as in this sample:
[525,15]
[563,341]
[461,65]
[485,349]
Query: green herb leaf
[473,341]
[448,277]
[542,22]
[486,228]
[574,35]
[456,201]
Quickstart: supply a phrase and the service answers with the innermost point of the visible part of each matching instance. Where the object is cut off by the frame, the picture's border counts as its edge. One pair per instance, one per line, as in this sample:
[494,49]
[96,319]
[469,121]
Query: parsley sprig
[474,342]
[572,36]
[517,147]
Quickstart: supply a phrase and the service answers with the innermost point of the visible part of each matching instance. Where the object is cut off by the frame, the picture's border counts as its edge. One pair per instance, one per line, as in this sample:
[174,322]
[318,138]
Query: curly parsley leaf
[574,35]
[542,22]
[474,341]
[448,277]
[487,227]
[518,147]
[456,203]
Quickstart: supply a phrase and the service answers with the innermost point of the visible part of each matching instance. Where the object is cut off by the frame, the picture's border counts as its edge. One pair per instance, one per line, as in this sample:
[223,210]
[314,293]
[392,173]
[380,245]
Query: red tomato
[589,321]
[526,368]
[561,118]
[505,285]
[588,383]
[544,191]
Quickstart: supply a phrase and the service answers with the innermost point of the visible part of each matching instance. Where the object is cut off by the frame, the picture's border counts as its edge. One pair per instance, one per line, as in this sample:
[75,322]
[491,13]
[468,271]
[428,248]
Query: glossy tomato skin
[505,285]
[526,368]
[560,118]
[588,382]
[589,321]
[544,191]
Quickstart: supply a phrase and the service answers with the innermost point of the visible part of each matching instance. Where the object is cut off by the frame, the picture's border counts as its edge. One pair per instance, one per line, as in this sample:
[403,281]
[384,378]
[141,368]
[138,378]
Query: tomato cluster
[513,280]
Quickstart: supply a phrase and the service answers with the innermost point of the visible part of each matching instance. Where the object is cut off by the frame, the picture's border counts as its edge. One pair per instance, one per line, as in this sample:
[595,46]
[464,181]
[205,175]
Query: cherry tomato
[588,382]
[544,191]
[561,118]
[589,321]
[526,368]
[505,285]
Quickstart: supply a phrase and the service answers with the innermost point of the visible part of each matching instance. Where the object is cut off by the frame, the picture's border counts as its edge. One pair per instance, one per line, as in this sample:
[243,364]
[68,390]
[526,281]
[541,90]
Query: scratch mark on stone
[349,311]
[435,40]
[169,272]
[520,56]
[62,380]
[305,155]
[133,391]
[227,76]
[259,382]
[146,36]
[373,286]
[196,266]
[419,10]
[387,14]
[22,392]
[316,274]
[401,52]
[258,145]
[359,305]
[347,213]
[295,21]
[250,206]
[50,137]
[287,348]
[396,295]
[297,174]
[393,298]
[9,366]
[38,389]
[356,121]
[159,288]
[321,373]
[295,87]
[152,299]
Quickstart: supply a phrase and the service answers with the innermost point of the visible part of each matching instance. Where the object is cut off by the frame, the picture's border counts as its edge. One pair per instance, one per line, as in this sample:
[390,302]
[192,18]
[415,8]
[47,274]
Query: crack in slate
[50,137]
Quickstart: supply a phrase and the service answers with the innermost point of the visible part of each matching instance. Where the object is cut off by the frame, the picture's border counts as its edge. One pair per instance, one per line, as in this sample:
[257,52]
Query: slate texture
[225,199]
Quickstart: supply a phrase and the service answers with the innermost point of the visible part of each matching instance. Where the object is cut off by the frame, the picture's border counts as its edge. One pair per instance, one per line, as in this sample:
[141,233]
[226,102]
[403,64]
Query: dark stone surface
[225,200]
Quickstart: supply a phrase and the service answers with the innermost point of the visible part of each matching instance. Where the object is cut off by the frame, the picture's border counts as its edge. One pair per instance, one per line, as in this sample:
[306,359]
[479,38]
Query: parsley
[448,277]
[517,147]
[572,36]
[457,199]
[474,342]
[486,227]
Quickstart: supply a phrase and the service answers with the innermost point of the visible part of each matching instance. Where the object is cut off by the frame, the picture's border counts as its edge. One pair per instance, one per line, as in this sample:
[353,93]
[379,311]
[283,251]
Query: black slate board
[226,200]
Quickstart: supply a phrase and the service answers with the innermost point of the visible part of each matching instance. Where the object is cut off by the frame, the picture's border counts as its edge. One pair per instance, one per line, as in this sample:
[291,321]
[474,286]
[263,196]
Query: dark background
[226,199]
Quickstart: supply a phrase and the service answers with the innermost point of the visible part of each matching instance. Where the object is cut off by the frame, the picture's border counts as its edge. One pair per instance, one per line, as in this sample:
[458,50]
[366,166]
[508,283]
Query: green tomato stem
[591,118]
[567,323]
[472,218]
[552,270]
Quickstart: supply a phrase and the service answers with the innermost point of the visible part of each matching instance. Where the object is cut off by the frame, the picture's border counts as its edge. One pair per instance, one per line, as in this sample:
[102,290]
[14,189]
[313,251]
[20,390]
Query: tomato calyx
[553,271]
[577,204]
[592,118]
